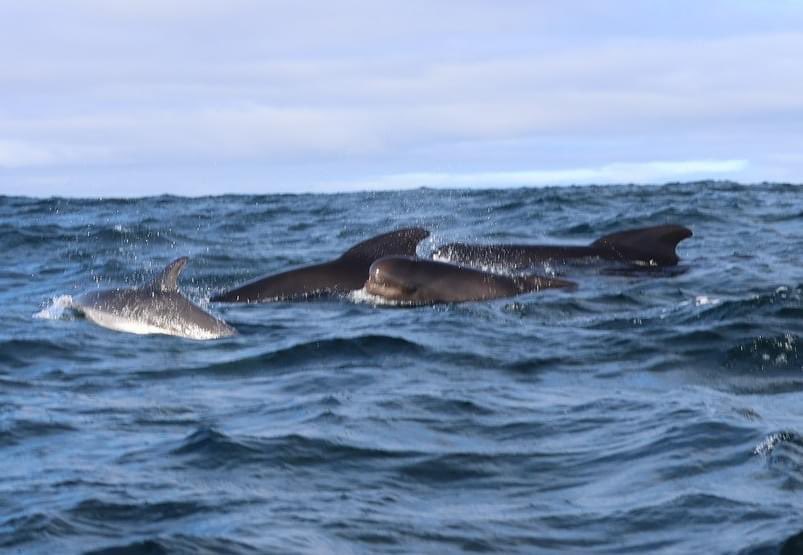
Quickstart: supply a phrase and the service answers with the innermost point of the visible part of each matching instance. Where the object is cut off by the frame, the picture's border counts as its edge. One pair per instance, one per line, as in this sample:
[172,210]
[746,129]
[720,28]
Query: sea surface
[642,413]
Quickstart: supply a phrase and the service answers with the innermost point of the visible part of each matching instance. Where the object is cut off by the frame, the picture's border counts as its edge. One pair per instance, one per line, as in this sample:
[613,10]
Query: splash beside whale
[154,308]
[340,276]
[648,246]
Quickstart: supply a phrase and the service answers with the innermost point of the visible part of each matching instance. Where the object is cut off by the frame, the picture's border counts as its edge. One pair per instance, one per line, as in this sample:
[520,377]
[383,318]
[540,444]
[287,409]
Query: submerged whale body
[156,307]
[648,246]
[342,275]
[409,280]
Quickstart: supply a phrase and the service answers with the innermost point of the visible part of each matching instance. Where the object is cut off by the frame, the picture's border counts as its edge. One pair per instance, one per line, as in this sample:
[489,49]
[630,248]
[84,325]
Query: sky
[194,97]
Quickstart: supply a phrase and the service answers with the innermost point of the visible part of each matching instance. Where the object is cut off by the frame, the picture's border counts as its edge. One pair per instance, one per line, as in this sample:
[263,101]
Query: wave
[209,448]
[19,353]
[604,421]
[106,512]
[459,467]
[784,302]
[781,353]
[20,530]
[181,544]
[16,238]
[18,431]
[783,453]
[318,353]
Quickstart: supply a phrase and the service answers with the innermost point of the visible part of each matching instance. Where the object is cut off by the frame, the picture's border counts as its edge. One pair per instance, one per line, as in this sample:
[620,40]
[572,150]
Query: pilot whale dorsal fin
[167,280]
[402,242]
[655,244]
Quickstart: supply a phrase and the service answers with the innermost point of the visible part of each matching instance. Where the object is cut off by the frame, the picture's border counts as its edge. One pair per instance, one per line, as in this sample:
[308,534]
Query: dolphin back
[156,307]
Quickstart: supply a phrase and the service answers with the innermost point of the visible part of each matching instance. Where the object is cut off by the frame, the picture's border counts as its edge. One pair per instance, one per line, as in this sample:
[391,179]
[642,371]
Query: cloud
[354,107]
[397,88]
[18,154]
[15,154]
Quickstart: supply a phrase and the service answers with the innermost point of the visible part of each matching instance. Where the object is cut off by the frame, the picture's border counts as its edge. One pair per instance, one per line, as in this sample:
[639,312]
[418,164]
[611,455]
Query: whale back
[339,276]
[402,242]
[650,246]
[654,246]
[411,280]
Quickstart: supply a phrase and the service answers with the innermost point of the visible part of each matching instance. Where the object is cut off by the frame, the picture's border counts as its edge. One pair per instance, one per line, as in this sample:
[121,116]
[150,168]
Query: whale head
[398,278]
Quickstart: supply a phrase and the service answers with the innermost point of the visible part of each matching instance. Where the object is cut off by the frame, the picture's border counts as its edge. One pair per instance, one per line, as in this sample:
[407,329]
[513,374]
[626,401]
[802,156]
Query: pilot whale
[156,307]
[340,276]
[416,281]
[648,246]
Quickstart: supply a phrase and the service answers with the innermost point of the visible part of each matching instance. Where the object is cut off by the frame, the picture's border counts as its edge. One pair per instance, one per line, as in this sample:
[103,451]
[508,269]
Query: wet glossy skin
[344,274]
[419,281]
[651,246]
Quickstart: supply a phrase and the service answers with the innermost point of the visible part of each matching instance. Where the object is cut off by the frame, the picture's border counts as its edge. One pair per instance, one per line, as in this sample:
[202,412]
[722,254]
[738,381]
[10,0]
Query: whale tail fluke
[653,246]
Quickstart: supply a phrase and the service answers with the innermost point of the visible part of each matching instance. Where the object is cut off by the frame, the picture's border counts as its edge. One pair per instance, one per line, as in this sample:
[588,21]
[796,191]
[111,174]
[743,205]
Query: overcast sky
[122,98]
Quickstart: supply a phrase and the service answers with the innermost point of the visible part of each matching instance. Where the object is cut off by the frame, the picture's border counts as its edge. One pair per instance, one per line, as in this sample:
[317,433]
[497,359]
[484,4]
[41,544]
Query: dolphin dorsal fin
[167,281]
[402,242]
[654,245]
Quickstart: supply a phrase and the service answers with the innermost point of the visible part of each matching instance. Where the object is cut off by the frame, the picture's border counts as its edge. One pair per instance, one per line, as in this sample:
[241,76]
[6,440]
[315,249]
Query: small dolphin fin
[167,281]
[402,242]
[651,245]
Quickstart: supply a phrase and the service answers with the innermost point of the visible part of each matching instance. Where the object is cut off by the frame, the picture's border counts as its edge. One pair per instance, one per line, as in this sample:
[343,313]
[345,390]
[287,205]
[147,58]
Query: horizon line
[411,189]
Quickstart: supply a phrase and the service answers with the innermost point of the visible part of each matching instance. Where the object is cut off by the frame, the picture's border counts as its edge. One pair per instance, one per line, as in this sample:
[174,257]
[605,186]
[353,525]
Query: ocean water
[639,414]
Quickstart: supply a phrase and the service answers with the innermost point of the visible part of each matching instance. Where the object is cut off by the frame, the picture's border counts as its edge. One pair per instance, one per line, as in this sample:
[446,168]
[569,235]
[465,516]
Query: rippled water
[637,414]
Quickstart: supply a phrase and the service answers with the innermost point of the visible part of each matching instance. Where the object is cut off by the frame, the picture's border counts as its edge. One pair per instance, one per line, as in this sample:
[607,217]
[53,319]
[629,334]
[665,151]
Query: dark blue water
[637,414]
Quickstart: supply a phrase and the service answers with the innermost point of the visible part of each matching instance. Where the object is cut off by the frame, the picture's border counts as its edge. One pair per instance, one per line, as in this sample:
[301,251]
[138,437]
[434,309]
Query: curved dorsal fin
[402,242]
[655,245]
[167,280]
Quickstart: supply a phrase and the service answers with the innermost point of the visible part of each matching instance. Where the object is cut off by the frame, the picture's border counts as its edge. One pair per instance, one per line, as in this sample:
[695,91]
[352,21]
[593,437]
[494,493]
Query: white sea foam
[769,443]
[361,296]
[703,300]
[56,309]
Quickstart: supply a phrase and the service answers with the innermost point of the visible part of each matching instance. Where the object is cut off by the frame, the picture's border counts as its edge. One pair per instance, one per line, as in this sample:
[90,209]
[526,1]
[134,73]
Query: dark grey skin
[156,307]
[417,281]
[649,246]
[340,276]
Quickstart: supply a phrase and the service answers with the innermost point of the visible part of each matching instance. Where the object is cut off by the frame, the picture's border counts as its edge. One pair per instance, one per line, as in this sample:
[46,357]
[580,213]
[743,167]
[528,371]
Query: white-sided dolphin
[410,280]
[648,246]
[342,275]
[156,307]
